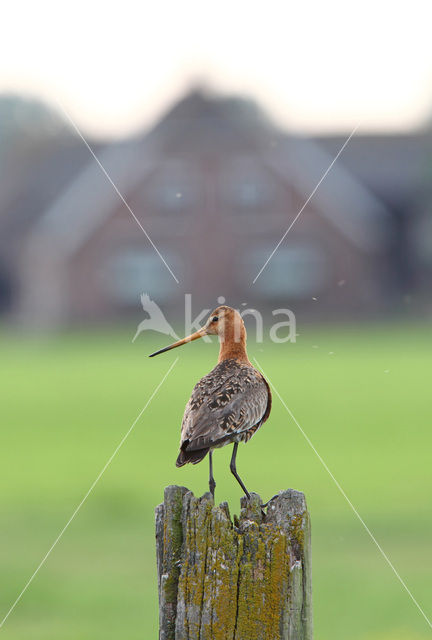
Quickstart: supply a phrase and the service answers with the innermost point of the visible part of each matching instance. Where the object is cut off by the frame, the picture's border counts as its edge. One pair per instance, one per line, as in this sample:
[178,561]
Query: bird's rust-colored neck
[232,346]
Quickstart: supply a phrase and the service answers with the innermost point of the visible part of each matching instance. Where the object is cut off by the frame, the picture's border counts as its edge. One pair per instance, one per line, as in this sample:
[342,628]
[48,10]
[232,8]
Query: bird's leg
[234,470]
[212,483]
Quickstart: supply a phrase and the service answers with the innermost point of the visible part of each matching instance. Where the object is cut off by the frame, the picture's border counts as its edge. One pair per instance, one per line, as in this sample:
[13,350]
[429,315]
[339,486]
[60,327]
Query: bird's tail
[190,456]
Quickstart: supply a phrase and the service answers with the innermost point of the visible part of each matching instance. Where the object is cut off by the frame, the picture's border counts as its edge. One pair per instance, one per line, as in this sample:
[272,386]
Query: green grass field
[68,401]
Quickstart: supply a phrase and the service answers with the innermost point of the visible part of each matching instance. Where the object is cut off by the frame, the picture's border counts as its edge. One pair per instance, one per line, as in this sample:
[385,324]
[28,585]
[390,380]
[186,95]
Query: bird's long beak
[194,336]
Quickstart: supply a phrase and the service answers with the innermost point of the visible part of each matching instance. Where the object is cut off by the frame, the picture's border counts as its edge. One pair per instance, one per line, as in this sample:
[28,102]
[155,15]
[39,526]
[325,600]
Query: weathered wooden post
[247,580]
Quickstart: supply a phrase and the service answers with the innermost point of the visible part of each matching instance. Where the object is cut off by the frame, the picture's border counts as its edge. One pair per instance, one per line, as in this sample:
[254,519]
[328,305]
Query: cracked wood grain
[247,580]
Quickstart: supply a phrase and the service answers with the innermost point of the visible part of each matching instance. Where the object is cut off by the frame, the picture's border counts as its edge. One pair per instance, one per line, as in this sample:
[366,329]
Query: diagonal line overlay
[98,477]
[326,172]
[104,171]
[369,532]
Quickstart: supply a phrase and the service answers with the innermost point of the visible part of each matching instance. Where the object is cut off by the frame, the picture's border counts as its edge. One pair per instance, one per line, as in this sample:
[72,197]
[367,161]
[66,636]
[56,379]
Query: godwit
[230,403]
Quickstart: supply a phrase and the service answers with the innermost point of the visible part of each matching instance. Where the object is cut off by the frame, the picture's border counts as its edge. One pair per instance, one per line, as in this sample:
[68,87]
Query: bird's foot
[252,502]
[266,504]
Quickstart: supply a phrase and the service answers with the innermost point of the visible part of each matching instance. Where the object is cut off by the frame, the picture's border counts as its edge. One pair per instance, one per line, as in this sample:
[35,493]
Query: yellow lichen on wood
[191,580]
[237,583]
[263,583]
[220,585]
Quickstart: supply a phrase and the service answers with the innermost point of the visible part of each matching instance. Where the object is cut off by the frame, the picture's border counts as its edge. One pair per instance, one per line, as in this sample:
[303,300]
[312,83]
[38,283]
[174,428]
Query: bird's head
[223,321]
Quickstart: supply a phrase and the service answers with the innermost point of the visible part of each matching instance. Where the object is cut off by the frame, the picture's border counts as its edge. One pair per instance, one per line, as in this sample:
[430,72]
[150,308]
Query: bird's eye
[215,319]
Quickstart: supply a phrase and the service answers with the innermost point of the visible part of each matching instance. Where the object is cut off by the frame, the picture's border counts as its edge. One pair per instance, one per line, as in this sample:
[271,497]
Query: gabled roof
[229,124]
[201,118]
[340,197]
[397,168]
[89,199]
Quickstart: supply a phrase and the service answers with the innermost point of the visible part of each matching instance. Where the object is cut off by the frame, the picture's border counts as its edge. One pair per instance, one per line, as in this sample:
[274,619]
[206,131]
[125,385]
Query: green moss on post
[169,543]
[218,581]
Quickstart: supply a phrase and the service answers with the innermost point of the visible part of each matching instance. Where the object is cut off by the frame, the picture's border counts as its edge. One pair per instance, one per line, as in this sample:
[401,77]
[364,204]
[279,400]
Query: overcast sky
[324,65]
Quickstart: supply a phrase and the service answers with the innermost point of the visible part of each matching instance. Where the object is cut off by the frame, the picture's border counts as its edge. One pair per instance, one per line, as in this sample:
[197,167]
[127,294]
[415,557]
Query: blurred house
[215,185]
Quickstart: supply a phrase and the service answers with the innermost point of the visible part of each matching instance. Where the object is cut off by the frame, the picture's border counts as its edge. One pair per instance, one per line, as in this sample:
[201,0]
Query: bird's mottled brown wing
[229,401]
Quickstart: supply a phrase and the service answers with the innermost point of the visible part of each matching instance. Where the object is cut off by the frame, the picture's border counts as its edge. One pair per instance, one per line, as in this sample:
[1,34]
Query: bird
[229,404]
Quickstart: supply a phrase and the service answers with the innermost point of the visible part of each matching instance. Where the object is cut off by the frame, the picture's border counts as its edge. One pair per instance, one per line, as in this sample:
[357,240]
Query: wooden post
[247,580]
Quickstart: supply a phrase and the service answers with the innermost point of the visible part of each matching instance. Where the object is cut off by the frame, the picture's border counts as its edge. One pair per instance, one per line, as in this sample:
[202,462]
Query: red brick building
[215,185]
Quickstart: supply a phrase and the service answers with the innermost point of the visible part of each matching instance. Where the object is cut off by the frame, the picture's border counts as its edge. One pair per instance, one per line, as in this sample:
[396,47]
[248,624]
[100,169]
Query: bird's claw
[265,505]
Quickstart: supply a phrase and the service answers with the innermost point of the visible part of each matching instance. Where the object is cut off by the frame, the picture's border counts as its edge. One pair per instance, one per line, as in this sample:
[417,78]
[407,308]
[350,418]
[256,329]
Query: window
[248,185]
[294,272]
[131,271]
